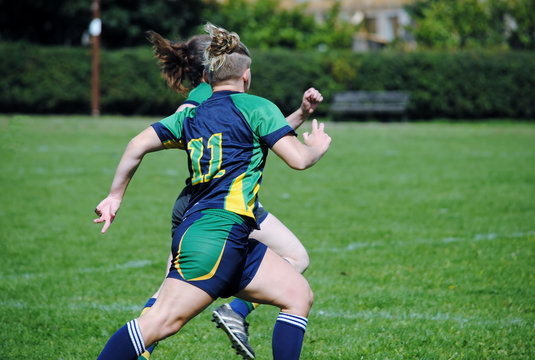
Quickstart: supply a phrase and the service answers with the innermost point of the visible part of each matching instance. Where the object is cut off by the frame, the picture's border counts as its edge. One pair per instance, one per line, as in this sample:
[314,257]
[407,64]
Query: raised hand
[318,138]
[311,99]
[107,210]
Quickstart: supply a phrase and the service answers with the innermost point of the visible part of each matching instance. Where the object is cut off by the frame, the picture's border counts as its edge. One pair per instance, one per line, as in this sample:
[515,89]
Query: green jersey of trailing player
[227,139]
[199,94]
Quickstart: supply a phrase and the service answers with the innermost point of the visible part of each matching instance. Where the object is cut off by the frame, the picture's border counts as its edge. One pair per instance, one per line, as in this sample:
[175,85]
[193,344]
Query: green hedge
[58,80]
[449,85]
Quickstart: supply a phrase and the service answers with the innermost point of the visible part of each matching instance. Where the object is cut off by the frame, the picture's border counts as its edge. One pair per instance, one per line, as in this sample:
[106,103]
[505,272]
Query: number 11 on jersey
[196,151]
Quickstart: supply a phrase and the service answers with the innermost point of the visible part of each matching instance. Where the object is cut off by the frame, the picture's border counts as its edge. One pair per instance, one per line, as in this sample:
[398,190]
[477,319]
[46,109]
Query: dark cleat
[236,329]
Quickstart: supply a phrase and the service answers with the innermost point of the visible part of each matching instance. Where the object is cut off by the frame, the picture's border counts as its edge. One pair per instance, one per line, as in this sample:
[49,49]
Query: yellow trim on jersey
[174,144]
[235,201]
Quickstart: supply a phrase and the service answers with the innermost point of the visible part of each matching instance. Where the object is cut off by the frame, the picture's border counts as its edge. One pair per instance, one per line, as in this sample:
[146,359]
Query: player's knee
[300,298]
[172,327]
[158,325]
[306,301]
[302,262]
[299,260]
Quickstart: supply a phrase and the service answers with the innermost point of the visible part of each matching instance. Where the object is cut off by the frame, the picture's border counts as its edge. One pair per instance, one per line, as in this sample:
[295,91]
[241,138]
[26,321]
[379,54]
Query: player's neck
[229,85]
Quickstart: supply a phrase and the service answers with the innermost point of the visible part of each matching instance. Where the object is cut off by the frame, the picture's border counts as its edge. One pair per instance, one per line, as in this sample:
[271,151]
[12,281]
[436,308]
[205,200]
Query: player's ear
[246,77]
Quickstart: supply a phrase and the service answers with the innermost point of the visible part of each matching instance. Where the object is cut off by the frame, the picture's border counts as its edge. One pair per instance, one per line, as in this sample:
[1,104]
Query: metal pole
[95,45]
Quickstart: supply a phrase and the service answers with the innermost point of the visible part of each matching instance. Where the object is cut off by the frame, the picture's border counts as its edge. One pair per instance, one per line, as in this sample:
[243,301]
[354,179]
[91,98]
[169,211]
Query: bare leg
[283,242]
[275,235]
[177,303]
[277,283]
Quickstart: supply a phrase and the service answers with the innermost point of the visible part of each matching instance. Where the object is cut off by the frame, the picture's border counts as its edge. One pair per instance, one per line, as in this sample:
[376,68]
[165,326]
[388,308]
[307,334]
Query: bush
[456,85]
[442,84]
[58,80]
[42,80]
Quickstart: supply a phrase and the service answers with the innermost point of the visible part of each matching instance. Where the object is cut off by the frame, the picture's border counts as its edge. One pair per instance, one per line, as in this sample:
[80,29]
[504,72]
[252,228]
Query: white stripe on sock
[301,319]
[132,338]
[135,337]
[138,330]
[295,320]
[131,335]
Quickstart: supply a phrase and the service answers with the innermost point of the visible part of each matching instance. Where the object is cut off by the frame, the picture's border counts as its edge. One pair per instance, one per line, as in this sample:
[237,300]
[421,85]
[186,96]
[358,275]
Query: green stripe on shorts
[203,244]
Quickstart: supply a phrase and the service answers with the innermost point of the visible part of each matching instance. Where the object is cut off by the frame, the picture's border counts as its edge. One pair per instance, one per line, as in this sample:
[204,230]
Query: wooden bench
[369,104]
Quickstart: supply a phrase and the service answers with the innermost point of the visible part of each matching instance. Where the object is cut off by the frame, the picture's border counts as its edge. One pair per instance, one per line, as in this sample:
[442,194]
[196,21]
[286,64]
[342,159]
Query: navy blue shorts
[212,251]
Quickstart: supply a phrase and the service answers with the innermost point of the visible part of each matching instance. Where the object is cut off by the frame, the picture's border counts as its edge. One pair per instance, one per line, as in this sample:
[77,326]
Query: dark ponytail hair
[180,61]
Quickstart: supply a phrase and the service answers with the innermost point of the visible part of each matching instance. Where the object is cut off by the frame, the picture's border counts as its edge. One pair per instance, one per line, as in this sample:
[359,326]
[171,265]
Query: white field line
[365,315]
[448,240]
[136,264]
[75,304]
[412,316]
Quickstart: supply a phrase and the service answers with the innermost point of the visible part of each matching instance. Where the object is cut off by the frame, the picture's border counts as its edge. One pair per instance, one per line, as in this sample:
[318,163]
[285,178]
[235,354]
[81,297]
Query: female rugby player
[227,138]
[181,65]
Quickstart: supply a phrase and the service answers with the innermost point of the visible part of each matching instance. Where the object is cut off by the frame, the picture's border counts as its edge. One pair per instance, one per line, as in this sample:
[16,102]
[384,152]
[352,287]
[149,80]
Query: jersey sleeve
[265,118]
[169,130]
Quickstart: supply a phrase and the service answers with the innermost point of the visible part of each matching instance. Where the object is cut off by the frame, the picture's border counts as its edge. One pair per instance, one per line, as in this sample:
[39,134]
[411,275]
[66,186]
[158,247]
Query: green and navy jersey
[227,138]
[199,94]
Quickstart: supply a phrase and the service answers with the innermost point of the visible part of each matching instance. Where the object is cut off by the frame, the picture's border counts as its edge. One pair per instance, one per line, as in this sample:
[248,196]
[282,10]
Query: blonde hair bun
[223,42]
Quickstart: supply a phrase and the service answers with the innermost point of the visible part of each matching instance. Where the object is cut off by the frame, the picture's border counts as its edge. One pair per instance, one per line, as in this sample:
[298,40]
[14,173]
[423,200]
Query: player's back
[226,157]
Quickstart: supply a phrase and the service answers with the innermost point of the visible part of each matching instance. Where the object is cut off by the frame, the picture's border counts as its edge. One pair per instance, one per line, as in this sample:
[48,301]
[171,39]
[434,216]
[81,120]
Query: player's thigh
[277,283]
[275,235]
[177,303]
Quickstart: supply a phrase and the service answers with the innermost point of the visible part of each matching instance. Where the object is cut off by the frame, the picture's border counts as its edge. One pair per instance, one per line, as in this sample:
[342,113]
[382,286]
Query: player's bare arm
[301,156]
[145,142]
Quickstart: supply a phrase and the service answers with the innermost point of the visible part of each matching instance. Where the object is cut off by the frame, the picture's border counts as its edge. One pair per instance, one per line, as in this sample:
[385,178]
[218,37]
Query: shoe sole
[236,343]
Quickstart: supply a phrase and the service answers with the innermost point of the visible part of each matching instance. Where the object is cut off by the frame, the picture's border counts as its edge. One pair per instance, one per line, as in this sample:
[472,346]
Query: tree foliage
[261,23]
[460,24]
[124,22]
[44,22]
[521,15]
[264,24]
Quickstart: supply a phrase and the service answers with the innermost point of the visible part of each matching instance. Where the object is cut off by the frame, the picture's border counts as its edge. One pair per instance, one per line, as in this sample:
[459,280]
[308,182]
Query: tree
[125,22]
[450,23]
[260,23]
[473,23]
[44,22]
[520,15]
[265,24]
[63,22]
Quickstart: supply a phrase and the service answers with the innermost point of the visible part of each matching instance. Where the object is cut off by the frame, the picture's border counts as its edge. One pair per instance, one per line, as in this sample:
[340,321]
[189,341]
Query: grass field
[421,239]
